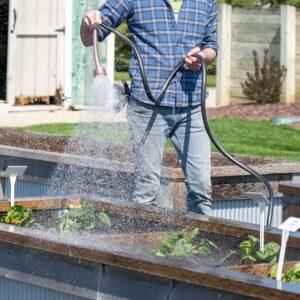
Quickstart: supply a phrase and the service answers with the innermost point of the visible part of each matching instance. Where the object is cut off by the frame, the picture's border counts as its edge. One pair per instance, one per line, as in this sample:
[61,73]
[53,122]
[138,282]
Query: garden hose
[161,95]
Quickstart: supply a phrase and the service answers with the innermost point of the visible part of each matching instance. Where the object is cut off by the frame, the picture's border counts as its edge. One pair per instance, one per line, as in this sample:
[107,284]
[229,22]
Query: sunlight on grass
[237,136]
[211,79]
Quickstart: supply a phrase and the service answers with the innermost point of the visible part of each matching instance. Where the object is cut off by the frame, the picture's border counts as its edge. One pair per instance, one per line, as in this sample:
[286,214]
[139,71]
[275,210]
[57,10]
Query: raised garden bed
[114,178]
[133,231]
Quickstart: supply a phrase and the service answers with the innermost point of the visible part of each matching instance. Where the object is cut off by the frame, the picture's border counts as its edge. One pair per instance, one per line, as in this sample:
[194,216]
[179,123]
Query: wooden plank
[253,18]
[288,52]
[41,204]
[233,171]
[242,54]
[223,61]
[255,11]
[259,269]
[189,272]
[256,33]
[290,189]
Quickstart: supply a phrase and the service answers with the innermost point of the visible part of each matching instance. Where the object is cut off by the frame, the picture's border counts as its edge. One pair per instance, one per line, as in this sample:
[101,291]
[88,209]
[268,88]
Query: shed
[41,51]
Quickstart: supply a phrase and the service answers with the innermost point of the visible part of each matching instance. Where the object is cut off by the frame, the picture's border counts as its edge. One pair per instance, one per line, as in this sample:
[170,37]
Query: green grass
[255,138]
[211,79]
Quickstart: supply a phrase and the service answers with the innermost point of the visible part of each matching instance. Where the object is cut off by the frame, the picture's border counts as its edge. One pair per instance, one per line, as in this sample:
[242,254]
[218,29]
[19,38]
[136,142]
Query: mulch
[111,151]
[255,111]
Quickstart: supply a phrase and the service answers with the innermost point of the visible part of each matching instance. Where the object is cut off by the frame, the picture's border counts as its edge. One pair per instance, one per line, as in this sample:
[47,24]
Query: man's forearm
[210,55]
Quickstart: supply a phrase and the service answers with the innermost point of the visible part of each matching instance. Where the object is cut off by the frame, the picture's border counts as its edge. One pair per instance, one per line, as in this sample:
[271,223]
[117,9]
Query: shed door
[35,48]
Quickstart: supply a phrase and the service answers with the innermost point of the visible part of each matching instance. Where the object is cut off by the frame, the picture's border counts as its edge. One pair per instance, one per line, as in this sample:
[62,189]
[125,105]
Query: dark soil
[255,111]
[123,224]
[110,151]
[120,224]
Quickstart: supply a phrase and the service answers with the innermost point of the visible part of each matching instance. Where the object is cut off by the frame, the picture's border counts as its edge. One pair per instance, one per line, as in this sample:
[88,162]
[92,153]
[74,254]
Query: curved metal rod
[203,111]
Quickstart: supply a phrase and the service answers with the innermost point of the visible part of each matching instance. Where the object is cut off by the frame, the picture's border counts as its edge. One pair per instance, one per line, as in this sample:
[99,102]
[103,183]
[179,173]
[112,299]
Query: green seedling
[292,275]
[18,215]
[251,253]
[105,219]
[231,254]
[180,244]
[82,219]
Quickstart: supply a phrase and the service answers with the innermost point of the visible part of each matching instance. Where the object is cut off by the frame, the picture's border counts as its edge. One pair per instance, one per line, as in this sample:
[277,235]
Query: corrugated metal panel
[237,210]
[26,189]
[245,211]
[16,290]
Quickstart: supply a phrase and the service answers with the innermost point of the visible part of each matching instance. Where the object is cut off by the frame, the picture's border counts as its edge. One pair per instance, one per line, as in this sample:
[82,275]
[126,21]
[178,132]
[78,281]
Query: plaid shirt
[163,43]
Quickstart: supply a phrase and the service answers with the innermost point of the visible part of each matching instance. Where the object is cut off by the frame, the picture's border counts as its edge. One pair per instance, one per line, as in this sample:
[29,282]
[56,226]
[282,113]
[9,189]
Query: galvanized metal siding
[245,211]
[16,290]
[26,189]
[237,210]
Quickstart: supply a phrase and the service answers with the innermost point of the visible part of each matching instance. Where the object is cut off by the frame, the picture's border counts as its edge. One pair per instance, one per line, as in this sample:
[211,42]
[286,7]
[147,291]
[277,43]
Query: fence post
[288,52]
[223,61]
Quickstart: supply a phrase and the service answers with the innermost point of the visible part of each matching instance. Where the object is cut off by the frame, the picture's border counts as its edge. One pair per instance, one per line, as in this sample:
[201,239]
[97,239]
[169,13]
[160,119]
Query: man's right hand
[90,20]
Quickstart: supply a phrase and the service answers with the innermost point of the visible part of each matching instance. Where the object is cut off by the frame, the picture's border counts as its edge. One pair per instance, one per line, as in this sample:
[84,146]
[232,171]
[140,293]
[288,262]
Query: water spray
[159,98]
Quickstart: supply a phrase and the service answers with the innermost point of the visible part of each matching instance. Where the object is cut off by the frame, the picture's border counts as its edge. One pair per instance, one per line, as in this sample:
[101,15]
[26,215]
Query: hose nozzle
[98,69]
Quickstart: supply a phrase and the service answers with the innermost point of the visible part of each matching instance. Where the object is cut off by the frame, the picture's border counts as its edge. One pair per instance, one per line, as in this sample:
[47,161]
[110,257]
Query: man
[165,32]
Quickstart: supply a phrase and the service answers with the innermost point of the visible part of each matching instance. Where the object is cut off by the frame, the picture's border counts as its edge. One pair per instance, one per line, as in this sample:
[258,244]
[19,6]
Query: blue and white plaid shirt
[163,43]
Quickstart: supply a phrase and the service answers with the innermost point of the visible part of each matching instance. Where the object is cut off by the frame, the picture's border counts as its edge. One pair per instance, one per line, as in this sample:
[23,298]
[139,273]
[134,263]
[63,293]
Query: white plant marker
[12,172]
[291,224]
[263,202]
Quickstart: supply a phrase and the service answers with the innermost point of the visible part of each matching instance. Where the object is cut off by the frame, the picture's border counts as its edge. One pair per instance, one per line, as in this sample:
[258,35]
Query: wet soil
[123,224]
[49,220]
[111,151]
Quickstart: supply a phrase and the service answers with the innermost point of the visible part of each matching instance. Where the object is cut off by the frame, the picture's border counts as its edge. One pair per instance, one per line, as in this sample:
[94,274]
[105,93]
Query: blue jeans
[150,127]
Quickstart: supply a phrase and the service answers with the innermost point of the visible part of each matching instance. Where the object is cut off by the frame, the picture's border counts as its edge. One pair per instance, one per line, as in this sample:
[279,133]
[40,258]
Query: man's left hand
[192,59]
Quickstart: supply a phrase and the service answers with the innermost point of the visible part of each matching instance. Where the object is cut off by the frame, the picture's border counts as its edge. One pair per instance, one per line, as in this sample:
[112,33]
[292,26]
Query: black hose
[161,95]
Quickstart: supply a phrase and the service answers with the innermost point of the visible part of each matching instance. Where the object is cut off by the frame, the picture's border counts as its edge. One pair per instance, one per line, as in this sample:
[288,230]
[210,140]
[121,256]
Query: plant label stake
[291,224]
[12,172]
[263,202]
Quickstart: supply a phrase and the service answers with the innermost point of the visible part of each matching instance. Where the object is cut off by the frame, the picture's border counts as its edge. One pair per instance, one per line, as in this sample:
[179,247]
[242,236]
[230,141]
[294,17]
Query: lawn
[211,79]
[255,138]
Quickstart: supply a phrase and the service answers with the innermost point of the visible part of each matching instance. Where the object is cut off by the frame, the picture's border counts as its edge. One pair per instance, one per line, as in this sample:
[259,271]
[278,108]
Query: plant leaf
[105,219]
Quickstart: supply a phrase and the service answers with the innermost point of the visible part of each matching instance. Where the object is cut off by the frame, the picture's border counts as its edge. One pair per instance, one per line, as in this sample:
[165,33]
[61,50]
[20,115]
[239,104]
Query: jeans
[150,127]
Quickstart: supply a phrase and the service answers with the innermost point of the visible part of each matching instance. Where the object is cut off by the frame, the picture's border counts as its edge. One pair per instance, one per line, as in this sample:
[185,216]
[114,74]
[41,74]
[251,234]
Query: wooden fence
[243,30]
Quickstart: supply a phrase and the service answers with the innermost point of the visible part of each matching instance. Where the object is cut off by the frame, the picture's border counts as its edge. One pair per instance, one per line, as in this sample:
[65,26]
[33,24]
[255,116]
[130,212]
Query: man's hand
[192,59]
[90,20]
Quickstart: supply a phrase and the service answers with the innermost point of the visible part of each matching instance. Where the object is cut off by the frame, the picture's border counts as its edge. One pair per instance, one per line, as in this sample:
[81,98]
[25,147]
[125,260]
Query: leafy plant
[251,253]
[105,219]
[82,218]
[230,254]
[265,85]
[18,215]
[181,244]
[292,275]
[122,51]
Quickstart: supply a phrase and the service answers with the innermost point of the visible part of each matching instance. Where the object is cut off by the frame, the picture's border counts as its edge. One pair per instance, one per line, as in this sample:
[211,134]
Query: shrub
[265,85]
[122,50]
[241,3]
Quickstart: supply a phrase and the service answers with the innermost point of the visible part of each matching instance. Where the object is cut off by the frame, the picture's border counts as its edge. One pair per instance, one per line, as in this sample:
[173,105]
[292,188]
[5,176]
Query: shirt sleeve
[113,13]
[211,39]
